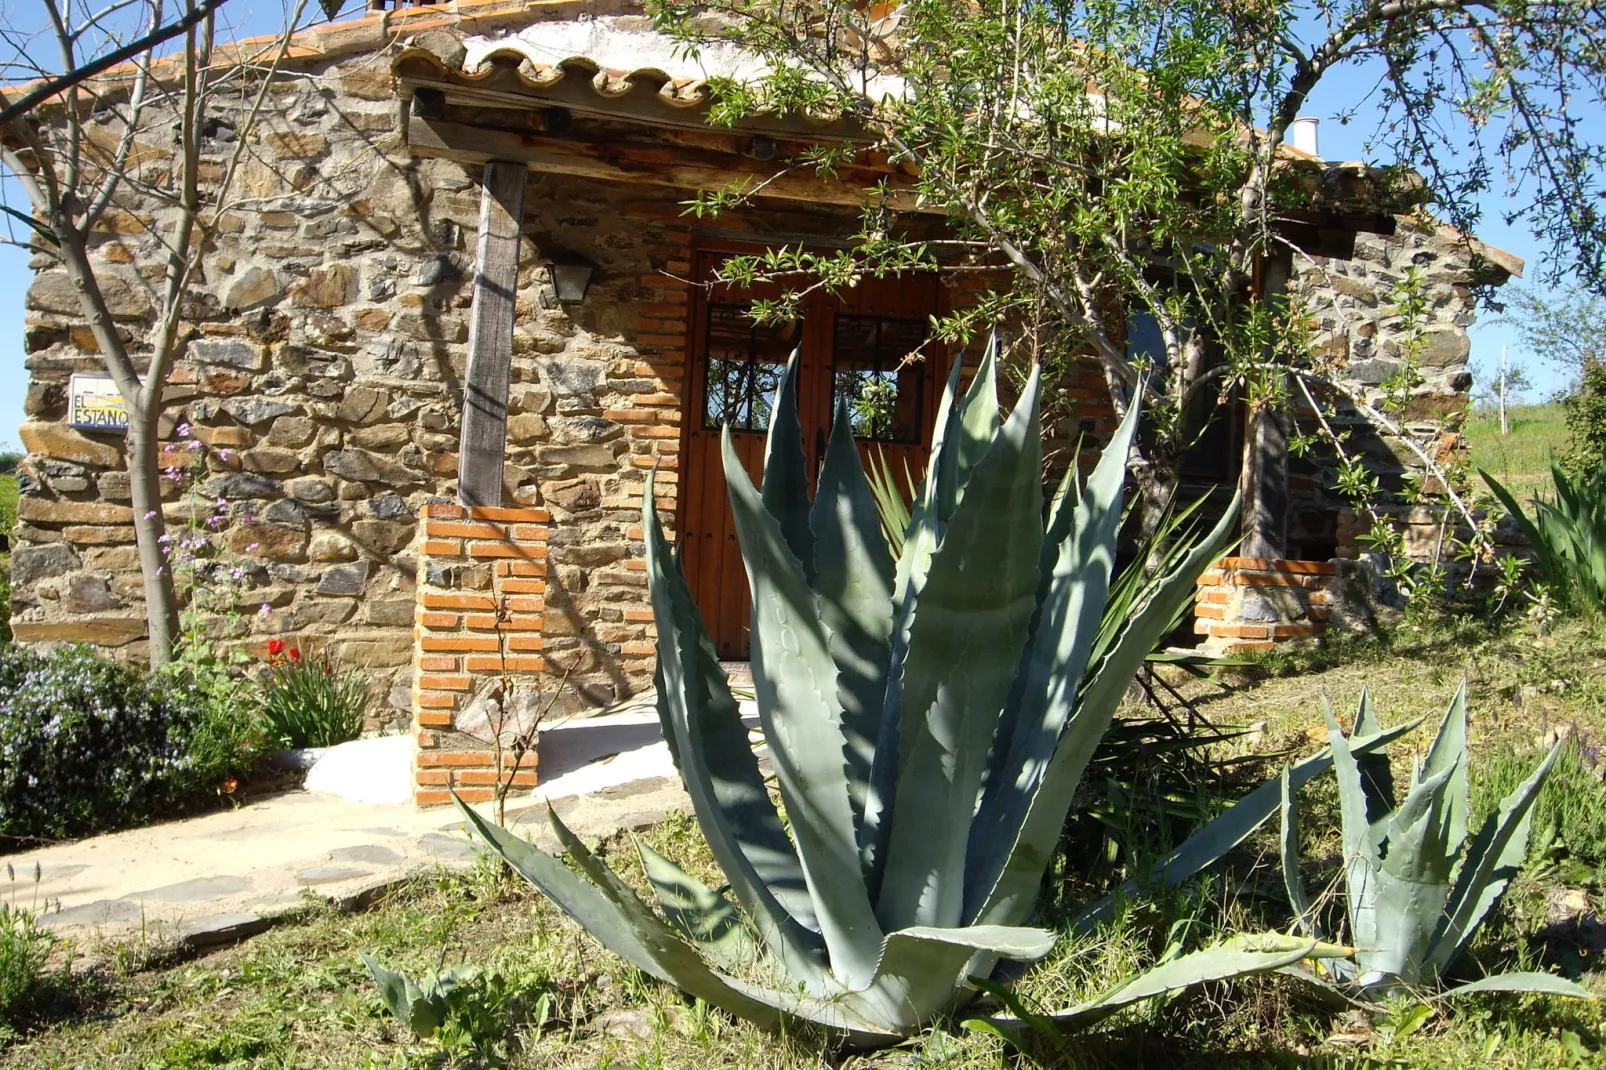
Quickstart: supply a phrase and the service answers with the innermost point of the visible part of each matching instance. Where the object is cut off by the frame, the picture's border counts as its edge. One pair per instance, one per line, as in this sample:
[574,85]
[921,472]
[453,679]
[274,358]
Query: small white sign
[96,404]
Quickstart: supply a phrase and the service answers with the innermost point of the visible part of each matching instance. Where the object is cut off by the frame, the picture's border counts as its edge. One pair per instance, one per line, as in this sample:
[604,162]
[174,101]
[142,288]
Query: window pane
[744,362]
[870,373]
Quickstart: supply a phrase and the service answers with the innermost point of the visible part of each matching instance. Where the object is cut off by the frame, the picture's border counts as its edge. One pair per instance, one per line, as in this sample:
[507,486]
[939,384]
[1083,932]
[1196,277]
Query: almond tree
[86,131]
[1099,156]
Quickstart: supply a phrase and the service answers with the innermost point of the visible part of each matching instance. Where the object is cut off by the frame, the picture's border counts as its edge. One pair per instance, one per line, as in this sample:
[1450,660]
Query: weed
[25,947]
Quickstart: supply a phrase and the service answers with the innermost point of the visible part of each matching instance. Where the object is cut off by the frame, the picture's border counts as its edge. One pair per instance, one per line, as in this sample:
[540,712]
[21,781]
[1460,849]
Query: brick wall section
[1251,603]
[479,622]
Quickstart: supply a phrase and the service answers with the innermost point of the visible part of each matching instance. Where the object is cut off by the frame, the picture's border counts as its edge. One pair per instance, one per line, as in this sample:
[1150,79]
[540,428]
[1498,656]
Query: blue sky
[1338,142]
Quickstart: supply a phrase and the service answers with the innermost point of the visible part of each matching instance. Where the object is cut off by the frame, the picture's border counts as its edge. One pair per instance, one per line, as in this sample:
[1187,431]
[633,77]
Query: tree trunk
[155,556]
[144,475]
[1264,485]
[1264,482]
[1157,471]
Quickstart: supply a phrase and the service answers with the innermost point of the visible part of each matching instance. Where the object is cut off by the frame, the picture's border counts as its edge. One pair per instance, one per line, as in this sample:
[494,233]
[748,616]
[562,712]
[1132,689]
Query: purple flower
[225,454]
[265,610]
[253,547]
[150,514]
[183,429]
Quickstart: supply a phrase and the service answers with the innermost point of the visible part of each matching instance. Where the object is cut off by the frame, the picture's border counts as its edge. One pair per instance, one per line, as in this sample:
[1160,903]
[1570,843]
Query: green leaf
[978,423]
[914,565]
[964,648]
[1078,555]
[1012,893]
[1547,984]
[415,1009]
[33,224]
[853,578]
[795,681]
[1304,914]
[890,502]
[1360,844]
[1377,775]
[921,967]
[1410,887]
[1234,825]
[1492,859]
[1240,956]
[716,762]
[706,918]
[610,911]
[786,469]
[1449,750]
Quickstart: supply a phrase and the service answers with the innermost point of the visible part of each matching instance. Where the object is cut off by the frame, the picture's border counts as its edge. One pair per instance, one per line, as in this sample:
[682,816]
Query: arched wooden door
[852,347]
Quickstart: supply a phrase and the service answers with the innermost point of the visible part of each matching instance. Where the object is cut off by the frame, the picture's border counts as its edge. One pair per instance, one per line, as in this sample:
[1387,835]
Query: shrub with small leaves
[89,744]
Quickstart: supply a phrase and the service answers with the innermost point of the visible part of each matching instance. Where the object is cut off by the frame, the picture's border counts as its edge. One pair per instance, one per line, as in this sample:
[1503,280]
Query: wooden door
[852,347]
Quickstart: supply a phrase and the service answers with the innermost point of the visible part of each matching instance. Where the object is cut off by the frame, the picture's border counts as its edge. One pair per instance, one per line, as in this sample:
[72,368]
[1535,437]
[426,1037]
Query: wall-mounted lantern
[571,275]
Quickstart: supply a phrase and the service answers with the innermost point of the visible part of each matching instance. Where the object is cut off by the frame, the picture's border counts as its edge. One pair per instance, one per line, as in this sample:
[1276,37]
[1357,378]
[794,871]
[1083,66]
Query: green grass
[1520,460]
[298,996]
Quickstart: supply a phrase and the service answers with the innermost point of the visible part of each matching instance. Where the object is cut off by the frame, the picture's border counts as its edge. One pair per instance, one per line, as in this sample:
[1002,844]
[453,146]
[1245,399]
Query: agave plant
[1415,887]
[1568,534]
[422,1005]
[928,720]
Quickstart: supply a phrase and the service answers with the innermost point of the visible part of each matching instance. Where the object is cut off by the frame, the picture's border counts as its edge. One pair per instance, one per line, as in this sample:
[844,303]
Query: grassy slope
[1520,460]
[298,997]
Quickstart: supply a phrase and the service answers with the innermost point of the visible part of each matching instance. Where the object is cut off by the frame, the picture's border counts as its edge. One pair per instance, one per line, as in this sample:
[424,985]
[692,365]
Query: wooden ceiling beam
[670,166]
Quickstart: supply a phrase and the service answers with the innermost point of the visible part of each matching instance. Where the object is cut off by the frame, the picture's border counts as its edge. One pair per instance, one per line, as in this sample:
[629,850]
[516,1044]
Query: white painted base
[378,771]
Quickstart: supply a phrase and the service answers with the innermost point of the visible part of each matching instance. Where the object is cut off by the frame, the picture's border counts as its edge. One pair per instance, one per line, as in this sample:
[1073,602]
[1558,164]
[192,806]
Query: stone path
[221,876]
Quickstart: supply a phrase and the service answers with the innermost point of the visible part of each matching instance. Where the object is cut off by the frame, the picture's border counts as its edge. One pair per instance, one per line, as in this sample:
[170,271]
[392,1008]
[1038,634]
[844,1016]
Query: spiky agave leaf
[610,911]
[1232,826]
[703,915]
[1491,860]
[701,719]
[1011,875]
[853,581]
[1239,956]
[963,650]
[794,679]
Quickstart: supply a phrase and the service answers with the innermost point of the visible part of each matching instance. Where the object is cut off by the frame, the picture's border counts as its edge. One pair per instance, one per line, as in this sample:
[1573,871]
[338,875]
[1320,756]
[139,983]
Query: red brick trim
[481,588]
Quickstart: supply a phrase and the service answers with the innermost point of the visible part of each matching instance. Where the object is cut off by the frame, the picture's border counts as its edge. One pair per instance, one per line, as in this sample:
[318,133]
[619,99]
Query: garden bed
[549,997]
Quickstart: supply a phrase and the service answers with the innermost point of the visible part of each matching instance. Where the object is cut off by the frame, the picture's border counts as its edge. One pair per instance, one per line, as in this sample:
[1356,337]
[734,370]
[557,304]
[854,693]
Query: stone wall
[1361,338]
[315,405]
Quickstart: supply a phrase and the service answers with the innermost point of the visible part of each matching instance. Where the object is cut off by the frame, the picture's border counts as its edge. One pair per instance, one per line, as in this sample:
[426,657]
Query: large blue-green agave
[928,720]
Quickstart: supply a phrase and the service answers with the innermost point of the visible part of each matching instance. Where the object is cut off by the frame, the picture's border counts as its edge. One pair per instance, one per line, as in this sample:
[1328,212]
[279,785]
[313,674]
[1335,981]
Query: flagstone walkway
[221,876]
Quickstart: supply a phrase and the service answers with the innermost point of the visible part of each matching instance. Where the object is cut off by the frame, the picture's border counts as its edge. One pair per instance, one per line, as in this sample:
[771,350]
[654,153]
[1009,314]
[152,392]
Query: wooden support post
[1265,474]
[490,335]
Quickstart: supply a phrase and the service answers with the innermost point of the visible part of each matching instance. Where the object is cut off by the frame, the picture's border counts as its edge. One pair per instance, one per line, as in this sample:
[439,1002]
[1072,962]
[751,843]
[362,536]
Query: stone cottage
[423,175]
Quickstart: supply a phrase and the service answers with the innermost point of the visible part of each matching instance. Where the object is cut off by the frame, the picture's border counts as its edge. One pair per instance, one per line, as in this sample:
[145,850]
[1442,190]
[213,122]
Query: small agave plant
[928,719]
[1415,887]
[423,1005]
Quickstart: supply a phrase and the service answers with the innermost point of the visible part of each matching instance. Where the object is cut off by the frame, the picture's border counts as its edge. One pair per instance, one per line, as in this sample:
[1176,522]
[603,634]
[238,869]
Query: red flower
[275,647]
[295,653]
[230,786]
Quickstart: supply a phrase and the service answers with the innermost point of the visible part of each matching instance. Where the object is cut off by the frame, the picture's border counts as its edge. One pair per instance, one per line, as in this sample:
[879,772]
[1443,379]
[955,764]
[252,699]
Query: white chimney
[1302,135]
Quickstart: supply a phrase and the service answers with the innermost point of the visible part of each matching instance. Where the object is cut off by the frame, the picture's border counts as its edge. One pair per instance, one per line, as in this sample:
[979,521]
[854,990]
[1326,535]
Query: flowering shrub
[89,744]
[308,702]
